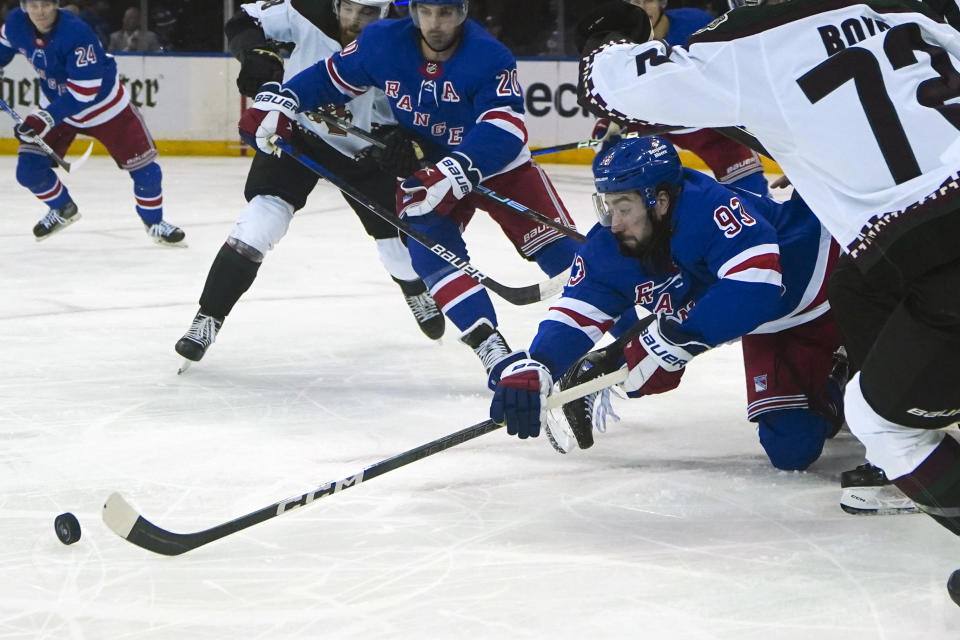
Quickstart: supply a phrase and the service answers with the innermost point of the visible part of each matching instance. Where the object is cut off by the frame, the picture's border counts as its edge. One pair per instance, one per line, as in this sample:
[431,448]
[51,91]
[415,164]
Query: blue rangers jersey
[472,103]
[79,79]
[742,264]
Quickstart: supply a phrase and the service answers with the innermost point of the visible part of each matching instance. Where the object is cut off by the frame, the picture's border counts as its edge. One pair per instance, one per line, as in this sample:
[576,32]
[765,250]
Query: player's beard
[654,253]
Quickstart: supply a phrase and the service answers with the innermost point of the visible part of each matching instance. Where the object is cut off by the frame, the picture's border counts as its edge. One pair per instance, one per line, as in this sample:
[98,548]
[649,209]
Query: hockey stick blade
[121,518]
[528,294]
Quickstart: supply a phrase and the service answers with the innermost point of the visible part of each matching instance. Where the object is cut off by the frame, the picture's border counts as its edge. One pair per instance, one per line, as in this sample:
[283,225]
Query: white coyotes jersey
[858,103]
[280,21]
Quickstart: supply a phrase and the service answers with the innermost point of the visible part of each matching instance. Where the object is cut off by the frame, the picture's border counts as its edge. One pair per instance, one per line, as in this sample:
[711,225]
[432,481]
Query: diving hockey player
[713,265]
[855,102]
[278,186]
[456,87]
[81,94]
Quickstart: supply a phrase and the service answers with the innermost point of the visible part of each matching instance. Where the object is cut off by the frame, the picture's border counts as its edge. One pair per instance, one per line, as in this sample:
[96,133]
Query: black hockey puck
[953,586]
[67,527]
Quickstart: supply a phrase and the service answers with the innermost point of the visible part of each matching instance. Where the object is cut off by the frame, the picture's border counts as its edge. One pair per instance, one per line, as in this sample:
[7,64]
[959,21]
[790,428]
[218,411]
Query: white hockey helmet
[383,5]
[460,4]
[744,3]
[23,3]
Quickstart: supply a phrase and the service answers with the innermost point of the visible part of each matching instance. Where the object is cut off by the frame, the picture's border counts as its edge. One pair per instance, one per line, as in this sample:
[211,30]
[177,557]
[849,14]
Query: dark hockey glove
[260,65]
[399,157]
[610,22]
[520,399]
[656,359]
[271,116]
[34,127]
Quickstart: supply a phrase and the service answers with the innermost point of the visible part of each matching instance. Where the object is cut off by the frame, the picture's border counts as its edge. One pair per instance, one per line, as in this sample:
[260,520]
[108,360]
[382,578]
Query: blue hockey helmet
[637,164]
[460,4]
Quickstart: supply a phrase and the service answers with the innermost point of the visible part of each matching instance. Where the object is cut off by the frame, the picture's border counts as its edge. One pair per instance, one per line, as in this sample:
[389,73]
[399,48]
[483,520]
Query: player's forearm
[66,106]
[665,85]
[558,346]
[314,88]
[243,33]
[490,148]
[732,309]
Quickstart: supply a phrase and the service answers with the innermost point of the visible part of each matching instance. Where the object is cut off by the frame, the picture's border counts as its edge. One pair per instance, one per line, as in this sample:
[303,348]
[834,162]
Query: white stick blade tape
[118,515]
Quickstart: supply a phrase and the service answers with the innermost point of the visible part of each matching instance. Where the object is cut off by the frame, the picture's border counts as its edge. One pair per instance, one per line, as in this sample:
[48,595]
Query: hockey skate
[198,338]
[487,343]
[55,220]
[571,426]
[166,234]
[428,315]
[867,491]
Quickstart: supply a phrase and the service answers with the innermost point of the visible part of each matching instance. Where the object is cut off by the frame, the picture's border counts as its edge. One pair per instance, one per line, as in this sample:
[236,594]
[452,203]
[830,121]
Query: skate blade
[69,222]
[876,501]
[184,366]
[172,245]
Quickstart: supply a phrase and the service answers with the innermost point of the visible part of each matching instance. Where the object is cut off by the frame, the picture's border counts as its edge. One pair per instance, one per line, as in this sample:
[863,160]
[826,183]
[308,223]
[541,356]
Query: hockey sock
[148,192]
[557,256]
[935,485]
[34,173]
[462,299]
[396,259]
[231,274]
[792,438]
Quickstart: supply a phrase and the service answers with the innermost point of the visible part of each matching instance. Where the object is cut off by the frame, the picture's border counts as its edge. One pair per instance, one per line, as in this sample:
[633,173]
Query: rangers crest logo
[578,273]
[760,383]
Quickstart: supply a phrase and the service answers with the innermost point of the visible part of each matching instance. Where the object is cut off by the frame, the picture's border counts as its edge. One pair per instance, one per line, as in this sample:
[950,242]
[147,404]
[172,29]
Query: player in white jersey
[857,102]
[278,186]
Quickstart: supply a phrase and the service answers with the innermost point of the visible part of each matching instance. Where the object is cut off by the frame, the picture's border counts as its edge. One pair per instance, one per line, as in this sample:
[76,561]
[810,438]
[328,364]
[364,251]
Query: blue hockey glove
[520,399]
[496,371]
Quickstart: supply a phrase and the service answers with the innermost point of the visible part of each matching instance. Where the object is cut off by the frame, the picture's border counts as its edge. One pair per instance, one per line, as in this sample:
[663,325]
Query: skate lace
[422,306]
[52,218]
[601,411]
[203,330]
[492,350]
[161,229]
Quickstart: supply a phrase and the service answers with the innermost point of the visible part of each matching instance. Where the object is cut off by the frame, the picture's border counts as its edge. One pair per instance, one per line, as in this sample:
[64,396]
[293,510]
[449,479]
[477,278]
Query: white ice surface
[673,526]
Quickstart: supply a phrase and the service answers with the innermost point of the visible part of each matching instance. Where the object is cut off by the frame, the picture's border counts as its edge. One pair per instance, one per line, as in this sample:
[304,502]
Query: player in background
[858,111]
[728,160]
[456,87]
[81,94]
[713,264]
[278,186]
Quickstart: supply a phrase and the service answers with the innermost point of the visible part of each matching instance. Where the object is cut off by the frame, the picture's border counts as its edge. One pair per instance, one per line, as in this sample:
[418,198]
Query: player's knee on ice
[792,438]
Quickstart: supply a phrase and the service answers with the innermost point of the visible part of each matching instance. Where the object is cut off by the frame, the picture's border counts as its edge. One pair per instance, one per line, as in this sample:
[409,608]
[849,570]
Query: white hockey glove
[271,117]
[438,187]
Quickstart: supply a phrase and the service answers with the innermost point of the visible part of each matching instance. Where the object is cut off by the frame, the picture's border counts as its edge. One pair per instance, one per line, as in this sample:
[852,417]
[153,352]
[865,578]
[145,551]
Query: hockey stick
[38,141]
[514,295]
[522,209]
[121,518]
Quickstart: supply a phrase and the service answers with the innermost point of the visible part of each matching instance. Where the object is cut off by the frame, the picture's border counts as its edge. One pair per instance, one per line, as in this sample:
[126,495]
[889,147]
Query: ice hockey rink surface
[673,525]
